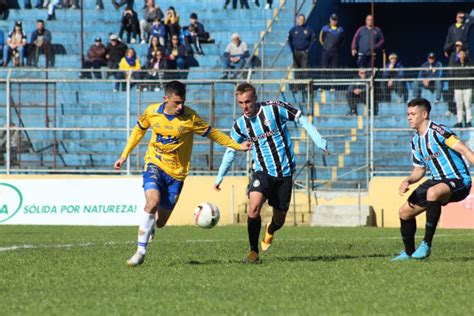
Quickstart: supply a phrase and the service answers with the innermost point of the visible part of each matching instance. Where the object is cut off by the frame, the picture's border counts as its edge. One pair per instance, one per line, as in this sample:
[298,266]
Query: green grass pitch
[48,270]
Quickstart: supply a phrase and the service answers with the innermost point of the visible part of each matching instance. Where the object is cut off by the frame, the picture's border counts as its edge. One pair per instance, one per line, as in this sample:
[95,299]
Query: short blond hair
[245,87]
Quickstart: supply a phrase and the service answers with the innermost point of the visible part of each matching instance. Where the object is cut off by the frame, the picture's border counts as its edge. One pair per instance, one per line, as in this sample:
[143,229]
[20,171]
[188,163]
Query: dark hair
[193,16]
[301,14]
[40,21]
[244,87]
[421,102]
[175,88]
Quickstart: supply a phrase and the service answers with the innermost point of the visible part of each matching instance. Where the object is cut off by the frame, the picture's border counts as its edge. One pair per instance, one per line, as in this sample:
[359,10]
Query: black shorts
[458,189]
[276,190]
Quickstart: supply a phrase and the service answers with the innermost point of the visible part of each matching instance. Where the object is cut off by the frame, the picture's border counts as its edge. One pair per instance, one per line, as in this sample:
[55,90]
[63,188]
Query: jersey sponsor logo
[265,135]
[165,140]
[433,156]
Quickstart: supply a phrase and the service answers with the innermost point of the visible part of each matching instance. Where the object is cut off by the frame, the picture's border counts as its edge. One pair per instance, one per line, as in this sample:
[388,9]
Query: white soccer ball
[206,215]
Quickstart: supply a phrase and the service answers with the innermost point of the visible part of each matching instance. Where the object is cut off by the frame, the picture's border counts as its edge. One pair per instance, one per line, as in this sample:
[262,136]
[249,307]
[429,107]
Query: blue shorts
[156,179]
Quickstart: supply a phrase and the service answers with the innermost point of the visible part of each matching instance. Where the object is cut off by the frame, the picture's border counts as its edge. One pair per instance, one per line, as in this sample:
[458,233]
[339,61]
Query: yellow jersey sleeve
[222,139]
[202,128]
[137,134]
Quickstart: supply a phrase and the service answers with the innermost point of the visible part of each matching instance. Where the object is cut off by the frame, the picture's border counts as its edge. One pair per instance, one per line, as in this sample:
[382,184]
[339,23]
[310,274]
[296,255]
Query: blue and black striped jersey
[272,150]
[435,149]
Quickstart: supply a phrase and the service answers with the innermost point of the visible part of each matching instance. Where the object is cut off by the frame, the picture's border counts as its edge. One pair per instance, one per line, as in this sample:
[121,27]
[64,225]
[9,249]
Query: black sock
[433,213]
[408,230]
[253,227]
[272,228]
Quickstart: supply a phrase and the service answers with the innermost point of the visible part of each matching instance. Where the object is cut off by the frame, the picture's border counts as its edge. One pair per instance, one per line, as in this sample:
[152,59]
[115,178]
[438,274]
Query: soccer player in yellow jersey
[168,157]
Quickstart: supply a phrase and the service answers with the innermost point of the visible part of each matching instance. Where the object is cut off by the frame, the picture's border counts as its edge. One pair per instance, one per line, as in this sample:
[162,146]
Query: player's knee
[151,205]
[254,211]
[404,213]
[432,195]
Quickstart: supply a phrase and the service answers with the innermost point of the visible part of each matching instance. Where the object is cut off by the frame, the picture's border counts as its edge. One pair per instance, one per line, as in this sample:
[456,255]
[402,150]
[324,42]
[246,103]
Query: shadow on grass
[291,259]
[329,258]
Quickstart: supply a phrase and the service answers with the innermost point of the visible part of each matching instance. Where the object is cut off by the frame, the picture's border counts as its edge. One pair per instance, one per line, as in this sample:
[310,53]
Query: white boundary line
[91,244]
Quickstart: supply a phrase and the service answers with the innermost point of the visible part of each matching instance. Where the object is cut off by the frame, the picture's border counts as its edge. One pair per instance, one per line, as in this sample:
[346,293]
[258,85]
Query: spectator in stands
[463,88]
[27,4]
[393,70]
[156,67]
[151,14]
[53,4]
[4,9]
[172,22]
[99,5]
[331,38]
[449,95]
[432,69]
[159,30]
[454,56]
[175,54]
[40,43]
[71,4]
[129,64]
[357,93]
[362,43]
[267,6]
[16,46]
[115,51]
[130,25]
[235,55]
[198,34]
[2,43]
[153,48]
[300,39]
[96,58]
[117,5]
[15,139]
[458,31]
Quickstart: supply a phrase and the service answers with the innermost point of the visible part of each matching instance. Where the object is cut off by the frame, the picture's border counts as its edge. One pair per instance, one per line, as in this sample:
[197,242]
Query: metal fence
[52,122]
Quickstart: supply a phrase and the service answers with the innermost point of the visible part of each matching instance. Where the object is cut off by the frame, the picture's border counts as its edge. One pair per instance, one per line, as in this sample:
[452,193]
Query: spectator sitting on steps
[235,55]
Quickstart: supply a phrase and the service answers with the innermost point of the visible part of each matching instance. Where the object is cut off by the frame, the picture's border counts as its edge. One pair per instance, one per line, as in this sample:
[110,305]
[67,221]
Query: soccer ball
[206,215]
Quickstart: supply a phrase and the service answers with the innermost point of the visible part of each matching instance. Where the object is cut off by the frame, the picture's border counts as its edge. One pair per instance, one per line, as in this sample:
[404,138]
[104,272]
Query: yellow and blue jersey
[171,143]
[434,149]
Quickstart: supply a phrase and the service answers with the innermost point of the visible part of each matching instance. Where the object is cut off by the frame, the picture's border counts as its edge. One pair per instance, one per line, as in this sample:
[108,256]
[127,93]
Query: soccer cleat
[422,252]
[136,260]
[252,258]
[267,239]
[402,256]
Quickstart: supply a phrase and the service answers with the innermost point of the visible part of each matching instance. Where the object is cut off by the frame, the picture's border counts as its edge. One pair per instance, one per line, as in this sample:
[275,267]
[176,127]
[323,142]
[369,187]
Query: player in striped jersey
[264,124]
[168,157]
[437,148]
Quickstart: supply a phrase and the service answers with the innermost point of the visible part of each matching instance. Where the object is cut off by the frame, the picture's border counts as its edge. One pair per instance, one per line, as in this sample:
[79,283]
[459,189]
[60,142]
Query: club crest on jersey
[180,129]
[267,122]
[256,183]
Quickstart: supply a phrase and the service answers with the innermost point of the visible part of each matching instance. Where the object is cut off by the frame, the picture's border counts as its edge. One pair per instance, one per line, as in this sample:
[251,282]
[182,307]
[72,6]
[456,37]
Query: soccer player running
[168,157]
[264,124]
[437,147]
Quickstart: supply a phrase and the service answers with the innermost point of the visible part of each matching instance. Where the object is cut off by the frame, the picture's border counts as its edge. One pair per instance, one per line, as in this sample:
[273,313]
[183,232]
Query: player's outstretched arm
[224,140]
[118,164]
[416,175]
[313,133]
[227,161]
[461,148]
[135,137]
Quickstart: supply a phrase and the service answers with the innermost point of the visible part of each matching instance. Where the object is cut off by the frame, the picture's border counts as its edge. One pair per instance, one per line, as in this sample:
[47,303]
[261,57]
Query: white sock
[144,230]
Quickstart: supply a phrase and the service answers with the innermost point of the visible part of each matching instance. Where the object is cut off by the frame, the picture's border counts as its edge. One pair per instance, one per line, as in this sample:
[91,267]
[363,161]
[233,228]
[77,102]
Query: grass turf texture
[82,270]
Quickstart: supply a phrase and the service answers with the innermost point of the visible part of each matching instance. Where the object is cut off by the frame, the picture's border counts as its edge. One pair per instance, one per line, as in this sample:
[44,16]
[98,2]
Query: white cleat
[136,260]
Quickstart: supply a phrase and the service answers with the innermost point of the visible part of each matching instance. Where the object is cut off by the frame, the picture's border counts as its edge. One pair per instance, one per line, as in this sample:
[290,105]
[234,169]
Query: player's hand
[246,146]
[403,187]
[118,164]
[354,52]
[217,186]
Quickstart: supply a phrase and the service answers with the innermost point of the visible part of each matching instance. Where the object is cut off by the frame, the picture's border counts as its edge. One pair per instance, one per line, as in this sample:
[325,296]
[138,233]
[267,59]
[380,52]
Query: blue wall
[410,29]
